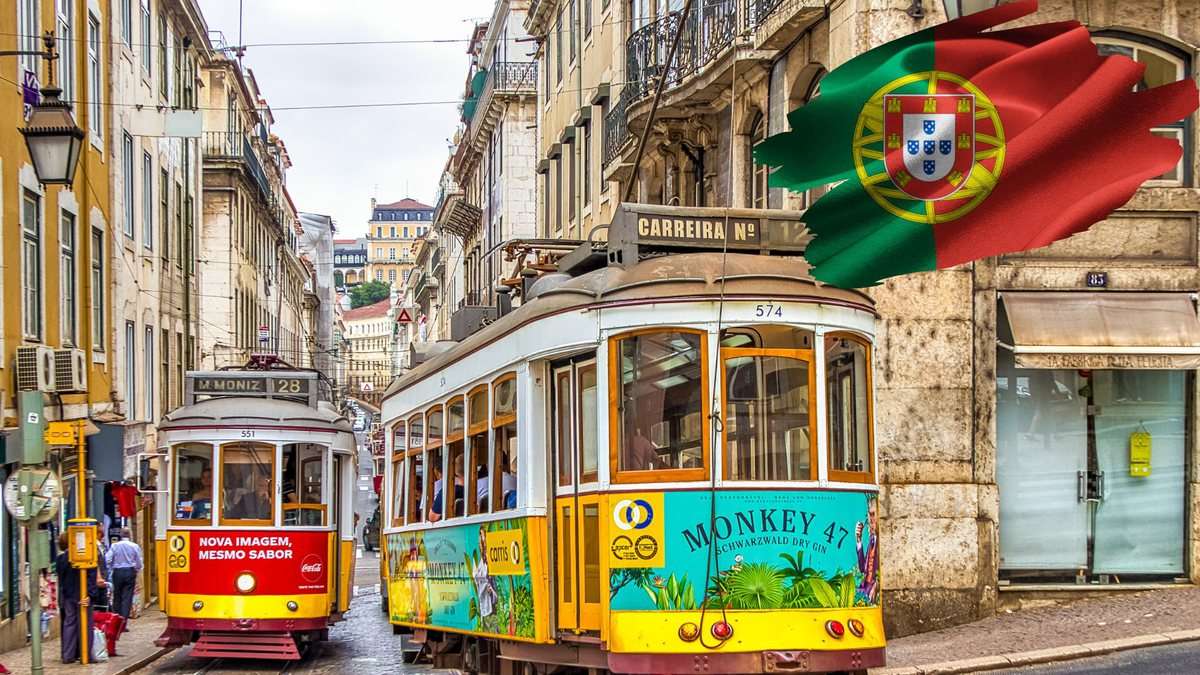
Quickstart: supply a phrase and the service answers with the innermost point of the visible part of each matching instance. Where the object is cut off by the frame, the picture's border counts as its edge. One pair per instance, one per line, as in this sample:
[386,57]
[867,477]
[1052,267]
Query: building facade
[349,262]
[251,277]
[990,420]
[390,235]
[317,246]
[370,332]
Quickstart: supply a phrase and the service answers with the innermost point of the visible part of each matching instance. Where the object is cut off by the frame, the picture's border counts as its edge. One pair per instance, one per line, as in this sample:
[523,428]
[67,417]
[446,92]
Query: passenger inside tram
[302,480]
[247,472]
[256,504]
[193,482]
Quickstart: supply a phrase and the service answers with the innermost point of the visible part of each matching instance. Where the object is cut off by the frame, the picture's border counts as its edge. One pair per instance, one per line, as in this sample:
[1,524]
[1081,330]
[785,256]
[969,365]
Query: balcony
[231,146]
[506,80]
[456,215]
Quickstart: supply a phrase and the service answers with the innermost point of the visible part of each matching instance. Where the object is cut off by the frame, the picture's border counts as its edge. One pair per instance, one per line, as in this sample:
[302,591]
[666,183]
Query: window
[504,457]
[247,487]
[588,416]
[587,17]
[303,485]
[31,265]
[456,446]
[758,173]
[127,22]
[162,57]
[848,403]
[164,377]
[768,413]
[177,70]
[393,235]
[1163,66]
[391,254]
[97,290]
[378,275]
[179,238]
[574,13]
[193,468]
[127,180]
[587,163]
[416,474]
[130,371]
[164,212]
[145,45]
[68,278]
[558,50]
[94,93]
[391,276]
[148,372]
[147,200]
[564,448]
[29,34]
[399,460]
[658,423]
[65,23]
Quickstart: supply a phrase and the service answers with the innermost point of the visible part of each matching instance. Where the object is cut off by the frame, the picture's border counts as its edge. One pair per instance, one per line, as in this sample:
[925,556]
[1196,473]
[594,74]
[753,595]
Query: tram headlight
[197,605]
[245,582]
[293,606]
[689,631]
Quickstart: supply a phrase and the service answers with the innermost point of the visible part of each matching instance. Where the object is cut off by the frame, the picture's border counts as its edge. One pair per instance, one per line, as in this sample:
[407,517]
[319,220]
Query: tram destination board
[295,385]
[650,228]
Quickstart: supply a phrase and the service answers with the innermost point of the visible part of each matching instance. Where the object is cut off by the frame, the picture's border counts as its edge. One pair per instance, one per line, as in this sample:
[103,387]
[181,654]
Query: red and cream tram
[257,546]
[662,462]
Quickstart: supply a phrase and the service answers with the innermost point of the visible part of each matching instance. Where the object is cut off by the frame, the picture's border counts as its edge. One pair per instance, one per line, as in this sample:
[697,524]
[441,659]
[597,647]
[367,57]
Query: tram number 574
[768,311]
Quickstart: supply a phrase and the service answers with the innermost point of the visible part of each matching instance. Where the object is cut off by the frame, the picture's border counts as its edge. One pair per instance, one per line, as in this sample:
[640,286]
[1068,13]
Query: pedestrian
[68,601]
[124,559]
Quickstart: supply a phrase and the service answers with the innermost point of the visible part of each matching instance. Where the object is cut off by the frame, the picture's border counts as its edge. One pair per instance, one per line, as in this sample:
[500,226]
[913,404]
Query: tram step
[273,646]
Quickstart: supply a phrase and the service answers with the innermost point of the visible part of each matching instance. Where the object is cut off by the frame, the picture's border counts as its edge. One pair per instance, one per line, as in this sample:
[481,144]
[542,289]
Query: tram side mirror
[150,472]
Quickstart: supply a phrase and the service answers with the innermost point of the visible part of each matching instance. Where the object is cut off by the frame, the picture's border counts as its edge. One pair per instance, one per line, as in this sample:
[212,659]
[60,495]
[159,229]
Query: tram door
[577,501]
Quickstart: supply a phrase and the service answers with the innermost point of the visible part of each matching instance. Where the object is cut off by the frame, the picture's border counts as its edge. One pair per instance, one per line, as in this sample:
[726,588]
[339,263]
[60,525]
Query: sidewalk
[1085,627]
[134,647]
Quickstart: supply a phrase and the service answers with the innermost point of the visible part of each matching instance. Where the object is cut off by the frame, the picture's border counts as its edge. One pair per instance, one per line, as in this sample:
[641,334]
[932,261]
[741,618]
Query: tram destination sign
[291,385]
[654,227]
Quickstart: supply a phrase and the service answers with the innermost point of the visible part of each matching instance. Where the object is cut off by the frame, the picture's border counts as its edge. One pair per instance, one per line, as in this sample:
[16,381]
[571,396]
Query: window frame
[399,461]
[68,278]
[248,522]
[413,505]
[616,475]
[864,477]
[97,289]
[33,313]
[174,495]
[814,424]
[498,423]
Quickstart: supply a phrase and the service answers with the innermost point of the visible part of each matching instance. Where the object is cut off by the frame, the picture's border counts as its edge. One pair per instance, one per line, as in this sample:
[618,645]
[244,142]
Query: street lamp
[53,138]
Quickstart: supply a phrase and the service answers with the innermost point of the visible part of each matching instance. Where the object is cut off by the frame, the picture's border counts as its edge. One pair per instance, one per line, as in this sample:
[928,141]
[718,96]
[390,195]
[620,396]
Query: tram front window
[848,392]
[303,483]
[193,483]
[767,417]
[247,491]
[660,406]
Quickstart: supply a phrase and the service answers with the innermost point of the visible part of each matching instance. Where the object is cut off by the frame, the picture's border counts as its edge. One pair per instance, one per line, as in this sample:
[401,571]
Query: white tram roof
[684,275]
[260,413]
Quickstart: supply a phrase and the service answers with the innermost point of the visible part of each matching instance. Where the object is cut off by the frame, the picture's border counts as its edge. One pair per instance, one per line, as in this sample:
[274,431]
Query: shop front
[1093,435]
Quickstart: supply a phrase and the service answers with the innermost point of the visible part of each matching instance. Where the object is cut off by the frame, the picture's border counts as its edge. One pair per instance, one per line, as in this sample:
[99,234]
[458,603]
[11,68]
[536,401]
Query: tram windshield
[247,489]
[660,401]
[193,482]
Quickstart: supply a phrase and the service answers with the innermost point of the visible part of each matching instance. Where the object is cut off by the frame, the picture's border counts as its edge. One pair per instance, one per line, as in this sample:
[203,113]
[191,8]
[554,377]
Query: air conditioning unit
[35,368]
[70,370]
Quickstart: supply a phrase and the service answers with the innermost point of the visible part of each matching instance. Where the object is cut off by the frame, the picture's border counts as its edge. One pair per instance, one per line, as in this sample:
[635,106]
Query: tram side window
[303,483]
[193,483]
[768,415]
[477,440]
[848,396]
[588,420]
[659,415]
[455,448]
[399,461]
[247,490]
[504,457]
[435,482]
[416,473]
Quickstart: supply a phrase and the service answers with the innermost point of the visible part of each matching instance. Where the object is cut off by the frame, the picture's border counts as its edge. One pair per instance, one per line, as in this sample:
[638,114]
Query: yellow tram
[661,462]
[257,548]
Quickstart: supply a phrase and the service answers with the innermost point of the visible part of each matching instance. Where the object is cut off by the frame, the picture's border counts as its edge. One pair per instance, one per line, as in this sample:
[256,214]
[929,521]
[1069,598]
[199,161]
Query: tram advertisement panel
[771,549]
[471,577]
[282,562]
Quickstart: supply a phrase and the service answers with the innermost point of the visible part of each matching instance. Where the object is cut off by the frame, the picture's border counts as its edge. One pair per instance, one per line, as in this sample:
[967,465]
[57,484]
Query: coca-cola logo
[311,568]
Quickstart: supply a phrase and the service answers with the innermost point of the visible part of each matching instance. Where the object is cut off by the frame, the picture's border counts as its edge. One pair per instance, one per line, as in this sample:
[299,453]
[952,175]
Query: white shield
[929,155]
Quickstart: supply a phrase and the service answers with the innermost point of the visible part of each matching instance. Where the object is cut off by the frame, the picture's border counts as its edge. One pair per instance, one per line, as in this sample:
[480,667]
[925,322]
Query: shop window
[303,485]
[658,421]
[1164,65]
[848,402]
[193,484]
[504,453]
[247,488]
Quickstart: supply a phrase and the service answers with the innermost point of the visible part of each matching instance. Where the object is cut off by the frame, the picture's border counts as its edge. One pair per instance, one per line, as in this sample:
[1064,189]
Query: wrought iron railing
[757,11]
[221,144]
[616,125]
[513,77]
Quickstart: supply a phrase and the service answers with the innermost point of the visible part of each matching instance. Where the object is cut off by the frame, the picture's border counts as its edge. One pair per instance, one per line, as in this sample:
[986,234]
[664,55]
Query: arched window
[1164,64]
[758,172]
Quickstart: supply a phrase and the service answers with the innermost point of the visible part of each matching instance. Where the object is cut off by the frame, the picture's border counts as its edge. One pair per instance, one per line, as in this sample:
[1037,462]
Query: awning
[1071,330]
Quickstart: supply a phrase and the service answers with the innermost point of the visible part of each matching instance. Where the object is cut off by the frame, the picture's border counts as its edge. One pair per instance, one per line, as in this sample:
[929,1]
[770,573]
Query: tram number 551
[768,311]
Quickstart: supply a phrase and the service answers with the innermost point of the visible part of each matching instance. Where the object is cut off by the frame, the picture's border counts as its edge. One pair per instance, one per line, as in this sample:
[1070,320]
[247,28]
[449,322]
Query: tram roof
[260,412]
[685,275]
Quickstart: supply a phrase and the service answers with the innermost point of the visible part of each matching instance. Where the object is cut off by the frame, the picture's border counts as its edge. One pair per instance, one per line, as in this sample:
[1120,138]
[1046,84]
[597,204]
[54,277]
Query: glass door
[1140,446]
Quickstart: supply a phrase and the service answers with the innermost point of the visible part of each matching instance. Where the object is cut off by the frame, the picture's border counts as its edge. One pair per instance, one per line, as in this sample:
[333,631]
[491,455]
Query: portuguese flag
[954,144]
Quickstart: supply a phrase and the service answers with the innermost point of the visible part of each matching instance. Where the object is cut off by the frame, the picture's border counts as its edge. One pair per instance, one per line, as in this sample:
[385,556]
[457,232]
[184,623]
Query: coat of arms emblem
[930,142]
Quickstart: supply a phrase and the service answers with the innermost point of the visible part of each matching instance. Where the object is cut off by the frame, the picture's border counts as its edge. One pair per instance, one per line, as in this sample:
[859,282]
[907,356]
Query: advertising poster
[763,549]
[472,577]
[282,562]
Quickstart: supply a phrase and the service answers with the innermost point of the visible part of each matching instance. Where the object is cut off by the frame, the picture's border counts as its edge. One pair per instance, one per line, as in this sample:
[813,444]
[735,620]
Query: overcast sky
[344,157]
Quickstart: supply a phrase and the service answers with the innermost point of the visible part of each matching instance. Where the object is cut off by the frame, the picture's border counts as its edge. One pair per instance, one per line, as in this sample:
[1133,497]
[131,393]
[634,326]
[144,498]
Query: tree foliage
[369,294]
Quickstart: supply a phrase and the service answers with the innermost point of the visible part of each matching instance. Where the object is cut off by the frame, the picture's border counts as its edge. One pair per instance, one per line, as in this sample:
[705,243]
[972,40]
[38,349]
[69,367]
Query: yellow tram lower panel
[311,606]
[657,632]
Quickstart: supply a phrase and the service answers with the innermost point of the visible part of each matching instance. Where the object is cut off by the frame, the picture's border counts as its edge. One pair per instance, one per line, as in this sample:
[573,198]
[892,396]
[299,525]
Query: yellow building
[391,233]
[55,264]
